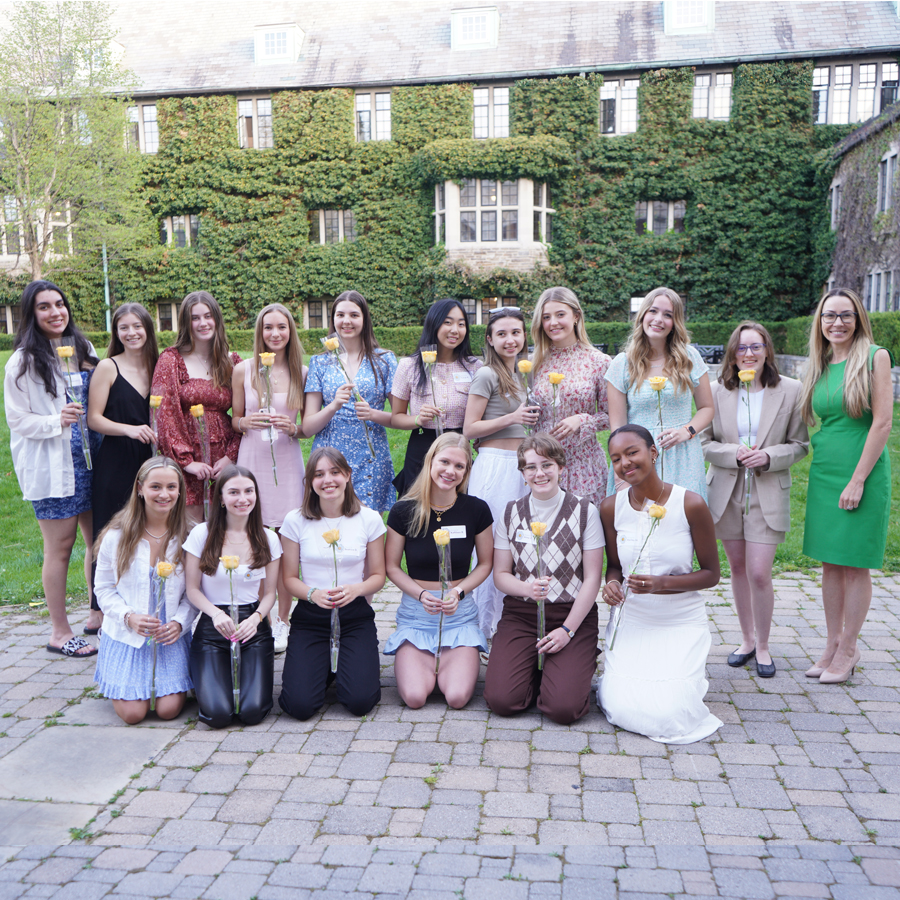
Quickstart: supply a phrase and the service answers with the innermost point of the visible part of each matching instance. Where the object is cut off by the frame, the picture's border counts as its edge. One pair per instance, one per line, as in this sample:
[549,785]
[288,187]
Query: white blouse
[749,428]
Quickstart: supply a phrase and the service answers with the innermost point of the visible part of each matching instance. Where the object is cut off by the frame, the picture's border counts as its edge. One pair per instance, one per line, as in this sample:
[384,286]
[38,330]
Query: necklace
[232,540]
[156,537]
[631,497]
[441,510]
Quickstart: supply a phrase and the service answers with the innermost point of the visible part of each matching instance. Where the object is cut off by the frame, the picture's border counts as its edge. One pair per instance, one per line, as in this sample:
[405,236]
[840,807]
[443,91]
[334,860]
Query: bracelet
[309,594]
[424,591]
[220,612]
[416,423]
[126,617]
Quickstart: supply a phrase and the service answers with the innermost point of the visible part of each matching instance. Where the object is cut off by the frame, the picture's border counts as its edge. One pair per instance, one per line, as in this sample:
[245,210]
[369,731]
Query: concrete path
[797,795]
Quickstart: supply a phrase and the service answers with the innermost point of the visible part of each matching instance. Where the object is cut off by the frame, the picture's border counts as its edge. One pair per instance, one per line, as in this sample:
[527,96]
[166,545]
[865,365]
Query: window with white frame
[542,226]
[315,313]
[835,200]
[712,96]
[474,29]
[440,213]
[167,316]
[373,116]
[332,226]
[619,106]
[491,115]
[882,291]
[142,128]
[479,311]
[12,233]
[255,123]
[61,230]
[180,231]
[10,316]
[488,210]
[689,16]
[887,170]
[853,92]
[659,216]
[273,44]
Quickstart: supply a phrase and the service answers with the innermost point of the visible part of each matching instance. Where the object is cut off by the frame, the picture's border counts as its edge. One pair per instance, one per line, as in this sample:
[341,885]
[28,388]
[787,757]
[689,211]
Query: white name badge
[461,377]
[456,531]
[524,536]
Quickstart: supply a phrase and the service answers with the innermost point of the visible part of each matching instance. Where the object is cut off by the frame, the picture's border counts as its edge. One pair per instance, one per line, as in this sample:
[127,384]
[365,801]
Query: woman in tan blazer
[753,441]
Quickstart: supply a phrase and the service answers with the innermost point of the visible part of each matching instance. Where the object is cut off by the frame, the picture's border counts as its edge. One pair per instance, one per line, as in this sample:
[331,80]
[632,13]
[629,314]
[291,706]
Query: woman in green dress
[847,385]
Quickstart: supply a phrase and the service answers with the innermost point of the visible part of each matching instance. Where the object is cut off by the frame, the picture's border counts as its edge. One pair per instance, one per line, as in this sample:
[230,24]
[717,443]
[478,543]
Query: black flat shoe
[736,660]
[765,670]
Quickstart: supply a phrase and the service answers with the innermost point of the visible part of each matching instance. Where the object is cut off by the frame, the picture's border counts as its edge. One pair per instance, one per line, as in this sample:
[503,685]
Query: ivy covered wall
[756,240]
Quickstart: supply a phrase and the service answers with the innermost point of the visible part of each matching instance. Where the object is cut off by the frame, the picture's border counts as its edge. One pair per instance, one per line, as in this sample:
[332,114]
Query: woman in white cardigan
[139,559]
[756,435]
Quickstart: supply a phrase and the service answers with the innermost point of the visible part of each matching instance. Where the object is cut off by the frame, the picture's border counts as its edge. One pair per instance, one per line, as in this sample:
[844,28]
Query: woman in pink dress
[270,447]
[197,370]
[562,347]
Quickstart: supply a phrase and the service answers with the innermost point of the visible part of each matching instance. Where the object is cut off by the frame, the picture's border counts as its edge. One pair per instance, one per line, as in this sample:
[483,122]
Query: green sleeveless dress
[839,536]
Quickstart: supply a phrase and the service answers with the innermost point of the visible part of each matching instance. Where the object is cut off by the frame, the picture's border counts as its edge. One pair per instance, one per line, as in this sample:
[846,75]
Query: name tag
[524,536]
[461,377]
[456,531]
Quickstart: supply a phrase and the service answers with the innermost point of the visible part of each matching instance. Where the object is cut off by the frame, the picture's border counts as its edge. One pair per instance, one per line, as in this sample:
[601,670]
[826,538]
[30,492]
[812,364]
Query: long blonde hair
[539,337]
[677,366]
[508,382]
[221,364]
[293,357]
[420,492]
[857,373]
[131,520]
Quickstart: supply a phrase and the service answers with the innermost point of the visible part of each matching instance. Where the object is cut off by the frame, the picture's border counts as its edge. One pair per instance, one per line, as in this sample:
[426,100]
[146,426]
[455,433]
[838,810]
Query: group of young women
[501,554]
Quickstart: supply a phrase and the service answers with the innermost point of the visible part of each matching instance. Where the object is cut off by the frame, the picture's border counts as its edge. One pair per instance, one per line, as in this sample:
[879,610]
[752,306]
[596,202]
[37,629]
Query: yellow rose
[197,411]
[267,359]
[656,511]
[538,528]
[155,401]
[441,537]
[525,366]
[65,352]
[331,344]
[747,375]
[230,562]
[658,382]
[332,536]
[556,377]
[429,356]
[164,569]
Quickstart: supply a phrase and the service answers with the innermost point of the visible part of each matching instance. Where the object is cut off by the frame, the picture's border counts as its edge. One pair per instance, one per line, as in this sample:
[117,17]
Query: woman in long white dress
[654,678]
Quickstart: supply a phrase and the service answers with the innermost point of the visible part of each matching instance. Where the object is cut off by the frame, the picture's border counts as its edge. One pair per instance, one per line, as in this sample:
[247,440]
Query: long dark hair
[371,350]
[150,350]
[311,508]
[439,311]
[256,532]
[221,359]
[37,353]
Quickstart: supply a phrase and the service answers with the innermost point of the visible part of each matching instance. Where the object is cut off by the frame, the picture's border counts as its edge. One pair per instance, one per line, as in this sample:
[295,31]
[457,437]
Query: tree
[69,181]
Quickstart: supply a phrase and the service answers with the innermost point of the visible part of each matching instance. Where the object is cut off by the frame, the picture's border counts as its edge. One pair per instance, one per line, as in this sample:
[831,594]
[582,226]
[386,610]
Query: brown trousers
[563,688]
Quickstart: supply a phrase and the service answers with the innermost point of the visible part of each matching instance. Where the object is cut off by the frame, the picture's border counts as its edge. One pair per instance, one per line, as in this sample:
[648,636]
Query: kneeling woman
[146,533]
[332,528]
[235,529]
[571,560]
[438,501]
[655,672]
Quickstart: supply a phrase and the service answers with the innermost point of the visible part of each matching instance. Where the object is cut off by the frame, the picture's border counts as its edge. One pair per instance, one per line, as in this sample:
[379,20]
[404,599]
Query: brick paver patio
[797,795]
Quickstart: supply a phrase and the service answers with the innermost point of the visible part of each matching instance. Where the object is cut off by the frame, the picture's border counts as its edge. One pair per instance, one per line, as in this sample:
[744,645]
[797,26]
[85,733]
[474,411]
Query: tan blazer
[782,434]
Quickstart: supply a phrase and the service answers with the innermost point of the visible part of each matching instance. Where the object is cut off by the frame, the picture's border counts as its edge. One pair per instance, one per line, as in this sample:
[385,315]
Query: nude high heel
[828,677]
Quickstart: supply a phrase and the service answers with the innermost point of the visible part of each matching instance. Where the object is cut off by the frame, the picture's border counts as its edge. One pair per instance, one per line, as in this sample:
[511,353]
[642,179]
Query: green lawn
[21,548]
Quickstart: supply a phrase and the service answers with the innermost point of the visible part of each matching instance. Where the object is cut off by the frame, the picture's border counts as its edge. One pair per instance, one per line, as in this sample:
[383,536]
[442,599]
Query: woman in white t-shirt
[330,504]
[235,529]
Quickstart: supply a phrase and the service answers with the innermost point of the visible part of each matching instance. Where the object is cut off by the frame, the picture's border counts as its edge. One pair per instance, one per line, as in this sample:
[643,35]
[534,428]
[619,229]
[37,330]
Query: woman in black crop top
[438,500]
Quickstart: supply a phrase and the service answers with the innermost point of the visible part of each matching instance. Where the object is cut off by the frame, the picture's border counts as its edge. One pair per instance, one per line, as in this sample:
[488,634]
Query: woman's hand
[644,584]
[142,433]
[567,427]
[612,593]
[338,597]
[224,624]
[247,628]
[220,465]
[751,458]
[364,411]
[851,496]
[673,436]
[70,414]
[428,413]
[341,396]
[167,633]
[528,415]
[433,605]
[144,625]
[557,640]
[539,588]
[284,424]
[199,470]
[255,421]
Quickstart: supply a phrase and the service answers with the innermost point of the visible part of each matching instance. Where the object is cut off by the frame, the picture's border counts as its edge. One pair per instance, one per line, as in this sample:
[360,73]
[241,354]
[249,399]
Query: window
[255,124]
[151,131]
[479,311]
[440,214]
[12,239]
[835,206]
[378,102]
[474,29]
[132,129]
[167,316]
[542,229]
[882,293]
[61,230]
[9,319]
[712,96]
[275,44]
[141,128]
[618,106]
[332,226]
[853,92]
[180,231]
[689,16]
[491,117]
[887,170]
[659,216]
[480,204]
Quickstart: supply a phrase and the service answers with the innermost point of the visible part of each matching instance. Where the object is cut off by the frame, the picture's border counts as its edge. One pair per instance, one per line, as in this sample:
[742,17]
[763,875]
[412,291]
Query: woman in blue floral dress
[356,429]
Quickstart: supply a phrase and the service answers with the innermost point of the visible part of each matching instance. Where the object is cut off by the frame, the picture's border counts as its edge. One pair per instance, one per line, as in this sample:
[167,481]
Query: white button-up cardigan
[132,592]
[41,449]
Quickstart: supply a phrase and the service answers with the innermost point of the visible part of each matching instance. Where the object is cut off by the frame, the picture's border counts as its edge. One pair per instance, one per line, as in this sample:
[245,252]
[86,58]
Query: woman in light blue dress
[356,429]
[660,348]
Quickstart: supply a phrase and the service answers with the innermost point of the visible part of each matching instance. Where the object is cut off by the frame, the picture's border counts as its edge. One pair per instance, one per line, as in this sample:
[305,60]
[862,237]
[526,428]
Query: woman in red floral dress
[561,345]
[197,369]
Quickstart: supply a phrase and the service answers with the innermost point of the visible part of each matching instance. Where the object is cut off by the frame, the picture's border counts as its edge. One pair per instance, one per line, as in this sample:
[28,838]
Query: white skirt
[496,479]
[654,680]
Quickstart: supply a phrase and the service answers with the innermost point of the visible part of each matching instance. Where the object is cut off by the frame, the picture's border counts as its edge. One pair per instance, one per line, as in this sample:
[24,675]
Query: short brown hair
[544,445]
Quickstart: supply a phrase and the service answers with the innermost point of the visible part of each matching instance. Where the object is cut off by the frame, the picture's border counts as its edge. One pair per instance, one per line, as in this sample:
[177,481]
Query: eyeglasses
[754,348]
[504,311]
[847,317]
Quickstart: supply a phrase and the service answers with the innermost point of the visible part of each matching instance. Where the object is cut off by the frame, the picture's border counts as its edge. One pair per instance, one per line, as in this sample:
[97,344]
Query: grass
[21,551]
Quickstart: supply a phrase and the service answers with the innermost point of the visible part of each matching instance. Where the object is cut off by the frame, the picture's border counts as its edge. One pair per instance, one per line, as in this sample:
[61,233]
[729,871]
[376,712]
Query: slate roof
[196,46]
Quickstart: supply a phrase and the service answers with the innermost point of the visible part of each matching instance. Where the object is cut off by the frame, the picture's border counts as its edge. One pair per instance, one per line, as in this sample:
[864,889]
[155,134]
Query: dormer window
[277,43]
[689,16]
[474,29]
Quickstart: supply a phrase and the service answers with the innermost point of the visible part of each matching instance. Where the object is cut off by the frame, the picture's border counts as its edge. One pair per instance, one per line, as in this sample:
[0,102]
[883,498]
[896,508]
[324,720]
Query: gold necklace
[440,511]
[631,497]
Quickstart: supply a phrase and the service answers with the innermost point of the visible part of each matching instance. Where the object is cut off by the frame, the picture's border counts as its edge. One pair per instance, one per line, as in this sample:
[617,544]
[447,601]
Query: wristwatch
[462,594]
[691,432]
